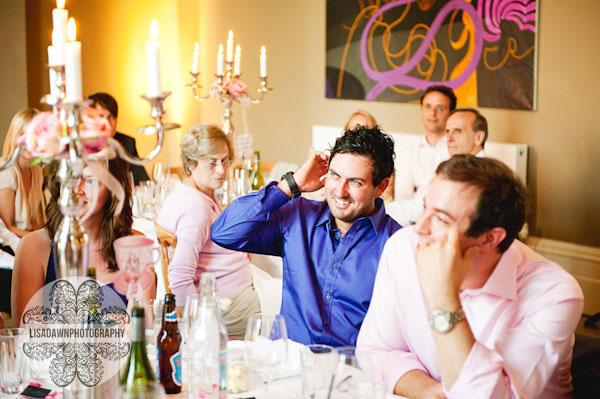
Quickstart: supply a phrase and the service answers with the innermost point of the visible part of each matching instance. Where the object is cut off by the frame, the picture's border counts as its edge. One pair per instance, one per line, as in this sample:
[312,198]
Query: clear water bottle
[208,345]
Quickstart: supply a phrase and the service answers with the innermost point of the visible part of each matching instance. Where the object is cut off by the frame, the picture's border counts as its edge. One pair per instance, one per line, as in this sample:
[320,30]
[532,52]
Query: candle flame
[196,47]
[238,49]
[263,50]
[71,30]
[221,48]
[154,30]
[60,3]
[230,36]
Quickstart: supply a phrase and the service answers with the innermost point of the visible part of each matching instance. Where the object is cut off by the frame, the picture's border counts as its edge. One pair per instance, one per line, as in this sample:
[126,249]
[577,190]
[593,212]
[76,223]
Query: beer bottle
[168,343]
[137,375]
[257,178]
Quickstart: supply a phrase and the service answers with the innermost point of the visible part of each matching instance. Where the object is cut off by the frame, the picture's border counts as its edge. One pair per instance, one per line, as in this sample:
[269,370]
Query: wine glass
[160,172]
[265,345]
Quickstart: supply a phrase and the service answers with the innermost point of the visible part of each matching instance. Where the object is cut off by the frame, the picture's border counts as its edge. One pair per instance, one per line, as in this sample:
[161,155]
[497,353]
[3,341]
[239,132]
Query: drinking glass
[160,172]
[318,369]
[265,345]
[352,383]
[14,367]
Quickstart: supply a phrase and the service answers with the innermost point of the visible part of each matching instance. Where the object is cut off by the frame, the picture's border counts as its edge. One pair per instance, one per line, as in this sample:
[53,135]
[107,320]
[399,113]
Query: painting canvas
[393,50]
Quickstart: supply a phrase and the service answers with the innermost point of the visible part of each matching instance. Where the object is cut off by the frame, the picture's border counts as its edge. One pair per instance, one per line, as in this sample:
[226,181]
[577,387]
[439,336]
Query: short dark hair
[445,90]
[480,122]
[372,142]
[106,101]
[503,199]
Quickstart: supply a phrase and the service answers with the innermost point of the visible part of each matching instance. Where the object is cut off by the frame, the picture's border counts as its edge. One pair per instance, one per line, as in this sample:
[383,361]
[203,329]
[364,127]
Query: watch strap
[453,318]
[289,178]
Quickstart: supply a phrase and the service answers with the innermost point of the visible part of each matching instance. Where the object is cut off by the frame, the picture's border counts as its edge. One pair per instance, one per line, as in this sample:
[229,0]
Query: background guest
[20,187]
[362,118]
[189,211]
[415,166]
[108,108]
[34,264]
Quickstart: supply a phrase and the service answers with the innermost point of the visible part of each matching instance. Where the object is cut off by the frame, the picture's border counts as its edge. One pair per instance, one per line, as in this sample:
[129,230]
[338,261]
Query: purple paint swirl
[521,12]
[398,76]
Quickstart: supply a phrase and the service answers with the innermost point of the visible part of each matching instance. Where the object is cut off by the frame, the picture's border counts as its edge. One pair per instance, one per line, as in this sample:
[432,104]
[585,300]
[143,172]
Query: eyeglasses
[212,163]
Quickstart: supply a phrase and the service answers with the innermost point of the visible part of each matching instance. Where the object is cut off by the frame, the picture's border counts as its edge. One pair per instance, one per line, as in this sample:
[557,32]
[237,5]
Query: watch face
[441,322]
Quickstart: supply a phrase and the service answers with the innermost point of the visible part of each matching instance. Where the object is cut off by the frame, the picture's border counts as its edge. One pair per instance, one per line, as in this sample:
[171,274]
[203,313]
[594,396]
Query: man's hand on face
[442,267]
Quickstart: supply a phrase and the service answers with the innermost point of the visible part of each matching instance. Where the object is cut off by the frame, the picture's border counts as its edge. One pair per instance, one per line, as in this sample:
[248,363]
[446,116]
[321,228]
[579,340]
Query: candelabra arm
[123,154]
[260,91]
[196,86]
[13,158]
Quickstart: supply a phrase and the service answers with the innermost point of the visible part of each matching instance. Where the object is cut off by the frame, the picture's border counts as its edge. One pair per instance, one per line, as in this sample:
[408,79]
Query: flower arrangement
[45,137]
[234,87]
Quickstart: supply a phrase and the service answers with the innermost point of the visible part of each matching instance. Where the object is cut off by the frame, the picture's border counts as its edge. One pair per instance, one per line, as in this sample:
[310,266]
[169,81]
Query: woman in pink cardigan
[189,211]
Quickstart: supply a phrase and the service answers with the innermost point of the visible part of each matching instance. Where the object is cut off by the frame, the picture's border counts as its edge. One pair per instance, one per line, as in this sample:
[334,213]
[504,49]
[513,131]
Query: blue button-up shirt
[327,285]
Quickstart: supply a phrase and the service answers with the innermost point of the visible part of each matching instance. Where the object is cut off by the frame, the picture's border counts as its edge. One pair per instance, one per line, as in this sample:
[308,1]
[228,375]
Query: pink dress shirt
[415,166]
[522,319]
[190,213]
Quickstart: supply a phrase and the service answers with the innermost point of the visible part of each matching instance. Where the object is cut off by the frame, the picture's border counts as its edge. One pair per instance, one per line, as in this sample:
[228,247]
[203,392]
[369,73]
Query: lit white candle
[195,58]
[59,32]
[52,55]
[263,62]
[230,47]
[220,60]
[73,65]
[237,64]
[152,61]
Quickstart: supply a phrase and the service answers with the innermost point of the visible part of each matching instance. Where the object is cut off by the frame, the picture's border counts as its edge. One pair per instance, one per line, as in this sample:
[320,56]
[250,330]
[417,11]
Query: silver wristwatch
[442,321]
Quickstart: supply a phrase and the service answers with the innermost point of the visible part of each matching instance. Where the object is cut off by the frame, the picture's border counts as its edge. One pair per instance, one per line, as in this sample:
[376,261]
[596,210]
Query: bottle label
[176,368]
[171,316]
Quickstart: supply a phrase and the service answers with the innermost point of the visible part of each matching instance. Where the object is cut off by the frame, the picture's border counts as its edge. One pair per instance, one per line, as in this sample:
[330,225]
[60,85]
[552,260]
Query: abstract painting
[393,50]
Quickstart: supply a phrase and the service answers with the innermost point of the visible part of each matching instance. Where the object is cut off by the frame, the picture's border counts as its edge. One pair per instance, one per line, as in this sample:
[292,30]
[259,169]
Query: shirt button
[324,323]
[335,265]
[328,297]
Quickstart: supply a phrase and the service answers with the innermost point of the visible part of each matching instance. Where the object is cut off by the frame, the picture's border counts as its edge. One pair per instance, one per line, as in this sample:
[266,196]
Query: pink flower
[96,129]
[41,136]
[236,87]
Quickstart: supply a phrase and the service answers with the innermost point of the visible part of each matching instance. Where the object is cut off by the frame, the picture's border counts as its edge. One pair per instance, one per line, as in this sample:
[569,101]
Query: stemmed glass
[190,312]
[265,345]
[160,172]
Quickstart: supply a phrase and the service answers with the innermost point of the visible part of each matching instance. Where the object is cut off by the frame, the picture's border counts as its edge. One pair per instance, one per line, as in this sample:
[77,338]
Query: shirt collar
[503,280]
[423,142]
[377,219]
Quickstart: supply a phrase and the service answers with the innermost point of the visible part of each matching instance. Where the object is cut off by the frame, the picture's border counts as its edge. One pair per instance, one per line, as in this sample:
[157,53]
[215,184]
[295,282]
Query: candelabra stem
[227,114]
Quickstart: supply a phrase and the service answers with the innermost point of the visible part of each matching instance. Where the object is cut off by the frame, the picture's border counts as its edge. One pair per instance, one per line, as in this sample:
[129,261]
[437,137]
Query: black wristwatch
[289,178]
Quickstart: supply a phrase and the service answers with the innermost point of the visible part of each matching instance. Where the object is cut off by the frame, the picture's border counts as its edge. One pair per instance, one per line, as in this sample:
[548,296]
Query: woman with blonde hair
[20,186]
[189,211]
[362,118]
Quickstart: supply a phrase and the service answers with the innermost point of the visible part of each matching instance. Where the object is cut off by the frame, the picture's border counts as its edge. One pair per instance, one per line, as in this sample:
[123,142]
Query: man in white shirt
[416,165]
[466,132]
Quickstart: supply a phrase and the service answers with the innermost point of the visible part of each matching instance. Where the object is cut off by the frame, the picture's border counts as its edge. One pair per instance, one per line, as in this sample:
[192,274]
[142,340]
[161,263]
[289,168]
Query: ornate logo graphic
[76,330]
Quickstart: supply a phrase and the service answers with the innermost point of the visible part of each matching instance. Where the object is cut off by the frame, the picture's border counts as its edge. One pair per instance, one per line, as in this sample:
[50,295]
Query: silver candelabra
[220,90]
[71,241]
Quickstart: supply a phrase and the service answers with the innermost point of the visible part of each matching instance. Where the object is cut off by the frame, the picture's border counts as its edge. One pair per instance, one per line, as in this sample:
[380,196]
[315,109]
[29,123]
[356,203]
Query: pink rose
[41,136]
[236,87]
[96,129]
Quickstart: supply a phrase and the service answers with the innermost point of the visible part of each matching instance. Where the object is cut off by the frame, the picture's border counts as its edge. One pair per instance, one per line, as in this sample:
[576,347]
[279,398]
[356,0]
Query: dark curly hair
[371,142]
[112,227]
[503,198]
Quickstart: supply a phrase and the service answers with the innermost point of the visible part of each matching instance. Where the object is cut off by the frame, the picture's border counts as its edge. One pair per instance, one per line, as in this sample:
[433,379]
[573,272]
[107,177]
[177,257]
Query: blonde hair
[33,199]
[366,115]
[17,125]
[200,142]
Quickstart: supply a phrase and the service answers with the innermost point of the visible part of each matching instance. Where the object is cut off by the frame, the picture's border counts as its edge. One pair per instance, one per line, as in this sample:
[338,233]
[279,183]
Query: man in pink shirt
[462,309]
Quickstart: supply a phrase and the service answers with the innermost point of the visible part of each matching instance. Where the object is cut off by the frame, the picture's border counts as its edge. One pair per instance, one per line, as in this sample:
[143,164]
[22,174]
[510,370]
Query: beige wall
[562,133]
[13,75]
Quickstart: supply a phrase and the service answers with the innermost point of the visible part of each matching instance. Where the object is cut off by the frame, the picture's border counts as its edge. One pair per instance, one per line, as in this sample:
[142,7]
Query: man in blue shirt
[330,249]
